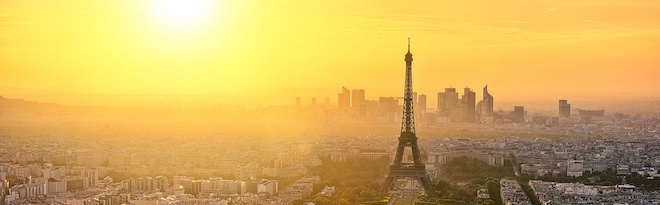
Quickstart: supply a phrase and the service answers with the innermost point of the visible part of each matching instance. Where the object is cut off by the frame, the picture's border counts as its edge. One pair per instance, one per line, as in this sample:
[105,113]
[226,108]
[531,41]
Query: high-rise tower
[408,138]
[469,99]
[564,109]
[485,106]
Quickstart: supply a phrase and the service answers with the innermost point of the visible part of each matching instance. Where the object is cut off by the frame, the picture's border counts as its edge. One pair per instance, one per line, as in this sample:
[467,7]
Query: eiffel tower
[398,169]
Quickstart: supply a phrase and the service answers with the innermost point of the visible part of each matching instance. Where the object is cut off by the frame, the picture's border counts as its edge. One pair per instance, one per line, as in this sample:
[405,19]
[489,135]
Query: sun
[183,13]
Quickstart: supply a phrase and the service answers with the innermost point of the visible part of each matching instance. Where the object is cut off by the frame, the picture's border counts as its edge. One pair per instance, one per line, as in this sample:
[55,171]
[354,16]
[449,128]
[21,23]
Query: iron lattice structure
[408,138]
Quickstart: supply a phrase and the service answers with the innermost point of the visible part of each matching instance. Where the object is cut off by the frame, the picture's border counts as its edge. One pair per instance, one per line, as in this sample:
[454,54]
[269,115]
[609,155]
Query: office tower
[451,98]
[327,101]
[414,98]
[358,98]
[313,102]
[93,177]
[447,101]
[469,99]
[421,105]
[344,98]
[160,183]
[347,97]
[564,109]
[415,170]
[441,102]
[387,107]
[298,104]
[485,106]
[518,114]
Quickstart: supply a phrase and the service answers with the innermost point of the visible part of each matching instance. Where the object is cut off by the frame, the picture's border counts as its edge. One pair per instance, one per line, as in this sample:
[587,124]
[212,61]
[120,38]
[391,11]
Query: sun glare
[183,13]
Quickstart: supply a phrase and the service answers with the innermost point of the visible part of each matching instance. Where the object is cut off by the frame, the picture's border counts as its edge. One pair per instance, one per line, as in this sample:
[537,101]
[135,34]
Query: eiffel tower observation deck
[408,139]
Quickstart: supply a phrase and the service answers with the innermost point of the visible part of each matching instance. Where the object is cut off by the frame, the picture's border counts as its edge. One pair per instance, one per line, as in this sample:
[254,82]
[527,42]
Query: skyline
[266,97]
[311,102]
[579,50]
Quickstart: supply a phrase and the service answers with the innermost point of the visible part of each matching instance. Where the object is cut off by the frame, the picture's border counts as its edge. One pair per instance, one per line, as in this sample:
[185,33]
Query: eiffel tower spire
[408,45]
[408,138]
[408,121]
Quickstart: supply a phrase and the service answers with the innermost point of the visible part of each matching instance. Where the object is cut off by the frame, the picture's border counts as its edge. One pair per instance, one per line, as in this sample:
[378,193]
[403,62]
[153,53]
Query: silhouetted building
[358,98]
[564,109]
[298,103]
[469,99]
[485,106]
[441,102]
[421,105]
[451,100]
[388,107]
[414,98]
[447,101]
[313,102]
[518,114]
[344,98]
[347,97]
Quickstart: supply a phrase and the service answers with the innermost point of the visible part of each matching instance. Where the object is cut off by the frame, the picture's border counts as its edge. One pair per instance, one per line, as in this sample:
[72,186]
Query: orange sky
[522,49]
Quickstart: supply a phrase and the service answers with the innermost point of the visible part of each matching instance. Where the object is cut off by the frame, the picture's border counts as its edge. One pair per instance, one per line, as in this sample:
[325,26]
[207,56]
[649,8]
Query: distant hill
[21,117]
[23,106]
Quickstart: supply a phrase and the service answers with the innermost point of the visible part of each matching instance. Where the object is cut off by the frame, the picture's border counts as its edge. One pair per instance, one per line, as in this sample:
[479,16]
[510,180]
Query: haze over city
[204,102]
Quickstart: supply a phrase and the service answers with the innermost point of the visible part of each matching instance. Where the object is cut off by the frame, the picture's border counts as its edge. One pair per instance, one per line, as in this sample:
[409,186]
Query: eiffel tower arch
[408,139]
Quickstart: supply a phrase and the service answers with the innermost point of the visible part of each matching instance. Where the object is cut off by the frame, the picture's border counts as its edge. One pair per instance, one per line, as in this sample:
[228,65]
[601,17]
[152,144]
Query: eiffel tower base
[415,172]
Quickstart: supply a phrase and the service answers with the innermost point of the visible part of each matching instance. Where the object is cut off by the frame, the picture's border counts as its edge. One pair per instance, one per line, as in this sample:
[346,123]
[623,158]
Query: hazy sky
[522,49]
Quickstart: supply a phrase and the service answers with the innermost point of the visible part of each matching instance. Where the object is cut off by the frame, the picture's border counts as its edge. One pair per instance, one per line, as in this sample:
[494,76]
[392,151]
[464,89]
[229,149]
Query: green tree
[530,193]
[493,187]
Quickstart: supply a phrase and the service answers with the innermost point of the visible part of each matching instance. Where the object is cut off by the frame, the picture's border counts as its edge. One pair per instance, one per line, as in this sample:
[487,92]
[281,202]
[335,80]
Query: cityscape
[81,125]
[572,156]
